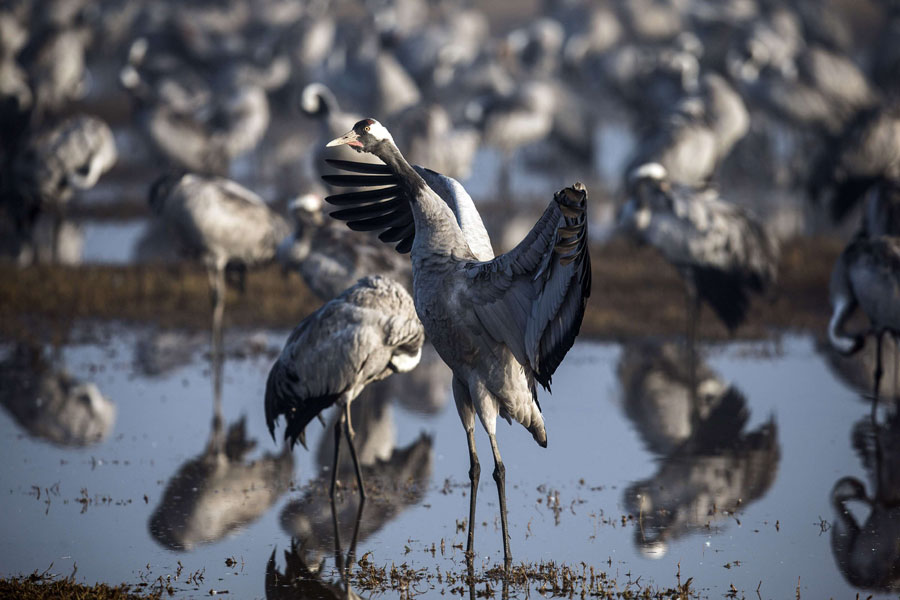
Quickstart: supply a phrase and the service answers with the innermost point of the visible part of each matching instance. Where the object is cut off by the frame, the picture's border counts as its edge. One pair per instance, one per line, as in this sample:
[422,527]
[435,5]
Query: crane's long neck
[411,182]
[843,302]
[437,230]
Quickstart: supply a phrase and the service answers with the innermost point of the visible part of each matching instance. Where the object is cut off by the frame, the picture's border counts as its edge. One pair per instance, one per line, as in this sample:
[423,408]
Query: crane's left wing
[382,205]
[532,298]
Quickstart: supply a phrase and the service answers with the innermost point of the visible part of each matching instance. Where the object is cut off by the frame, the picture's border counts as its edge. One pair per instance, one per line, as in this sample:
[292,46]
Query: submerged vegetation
[44,586]
[550,579]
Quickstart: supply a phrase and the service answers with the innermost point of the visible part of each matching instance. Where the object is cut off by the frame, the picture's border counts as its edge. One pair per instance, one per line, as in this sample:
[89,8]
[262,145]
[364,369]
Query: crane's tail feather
[725,293]
[297,412]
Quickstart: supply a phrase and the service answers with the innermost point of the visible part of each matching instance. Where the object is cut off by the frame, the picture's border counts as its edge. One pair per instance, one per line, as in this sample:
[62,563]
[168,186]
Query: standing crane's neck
[410,181]
[437,230]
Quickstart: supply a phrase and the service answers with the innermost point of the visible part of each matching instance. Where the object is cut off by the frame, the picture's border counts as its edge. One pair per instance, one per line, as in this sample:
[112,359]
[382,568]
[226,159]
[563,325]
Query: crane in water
[329,257]
[364,335]
[502,324]
[220,222]
[721,251]
[867,275]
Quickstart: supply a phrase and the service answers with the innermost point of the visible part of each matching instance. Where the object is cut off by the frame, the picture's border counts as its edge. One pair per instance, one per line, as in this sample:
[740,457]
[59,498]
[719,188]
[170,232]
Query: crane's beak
[351,138]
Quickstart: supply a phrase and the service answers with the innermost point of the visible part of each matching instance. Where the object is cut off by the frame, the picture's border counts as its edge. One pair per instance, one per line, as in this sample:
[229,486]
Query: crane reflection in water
[709,465]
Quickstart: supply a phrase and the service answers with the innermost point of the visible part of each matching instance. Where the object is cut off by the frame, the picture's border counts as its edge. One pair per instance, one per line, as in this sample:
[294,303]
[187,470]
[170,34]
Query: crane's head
[647,186]
[366,136]
[161,188]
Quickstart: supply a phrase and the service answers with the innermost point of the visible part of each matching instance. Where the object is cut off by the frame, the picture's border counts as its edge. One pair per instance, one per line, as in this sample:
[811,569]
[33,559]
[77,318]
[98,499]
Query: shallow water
[134,505]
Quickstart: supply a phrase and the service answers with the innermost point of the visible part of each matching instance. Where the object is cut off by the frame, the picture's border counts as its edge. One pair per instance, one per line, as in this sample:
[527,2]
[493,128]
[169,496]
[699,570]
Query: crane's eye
[366,128]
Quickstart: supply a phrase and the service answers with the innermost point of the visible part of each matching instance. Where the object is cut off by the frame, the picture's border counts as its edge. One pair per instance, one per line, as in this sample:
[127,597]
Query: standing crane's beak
[351,138]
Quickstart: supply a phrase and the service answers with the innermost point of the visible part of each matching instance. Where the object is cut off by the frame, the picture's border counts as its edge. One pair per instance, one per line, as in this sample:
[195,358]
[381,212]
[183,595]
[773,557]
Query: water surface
[747,503]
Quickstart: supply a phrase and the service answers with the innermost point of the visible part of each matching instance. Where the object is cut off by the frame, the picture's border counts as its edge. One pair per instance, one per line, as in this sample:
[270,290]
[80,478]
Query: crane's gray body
[720,249]
[486,373]
[364,335]
[204,213]
[330,257]
[867,273]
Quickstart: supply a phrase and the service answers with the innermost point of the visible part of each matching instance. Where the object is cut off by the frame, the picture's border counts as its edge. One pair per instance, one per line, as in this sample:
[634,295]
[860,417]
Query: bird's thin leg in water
[879,371]
[218,423]
[337,454]
[474,476]
[54,241]
[470,576]
[217,297]
[338,551]
[504,185]
[500,478]
[896,365]
[348,431]
[693,314]
[351,552]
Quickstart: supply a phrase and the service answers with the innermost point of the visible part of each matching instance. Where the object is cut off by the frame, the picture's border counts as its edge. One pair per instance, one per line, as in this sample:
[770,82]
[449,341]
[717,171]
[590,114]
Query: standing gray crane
[501,324]
[329,257]
[866,274]
[720,250]
[367,333]
[220,222]
[48,169]
[865,156]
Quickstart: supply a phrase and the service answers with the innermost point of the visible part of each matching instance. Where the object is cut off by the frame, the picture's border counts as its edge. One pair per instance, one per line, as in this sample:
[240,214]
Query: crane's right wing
[383,205]
[532,298]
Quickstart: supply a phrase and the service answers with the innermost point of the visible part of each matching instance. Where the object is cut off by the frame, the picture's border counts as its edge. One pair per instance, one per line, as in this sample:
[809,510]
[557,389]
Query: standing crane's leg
[474,476]
[693,315]
[351,552]
[217,295]
[504,185]
[56,231]
[500,478]
[337,454]
[879,371]
[467,416]
[896,354]
[348,431]
[216,274]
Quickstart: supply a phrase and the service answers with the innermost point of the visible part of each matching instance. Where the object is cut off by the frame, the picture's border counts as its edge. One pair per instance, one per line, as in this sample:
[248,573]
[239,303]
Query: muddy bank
[635,293]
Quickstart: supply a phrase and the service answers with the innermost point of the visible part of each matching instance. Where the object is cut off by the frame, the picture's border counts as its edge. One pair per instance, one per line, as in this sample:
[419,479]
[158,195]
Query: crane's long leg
[351,552]
[504,185]
[894,338]
[217,298]
[500,478]
[348,431]
[337,454]
[54,240]
[693,315]
[217,295]
[467,415]
[474,476]
[879,371]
